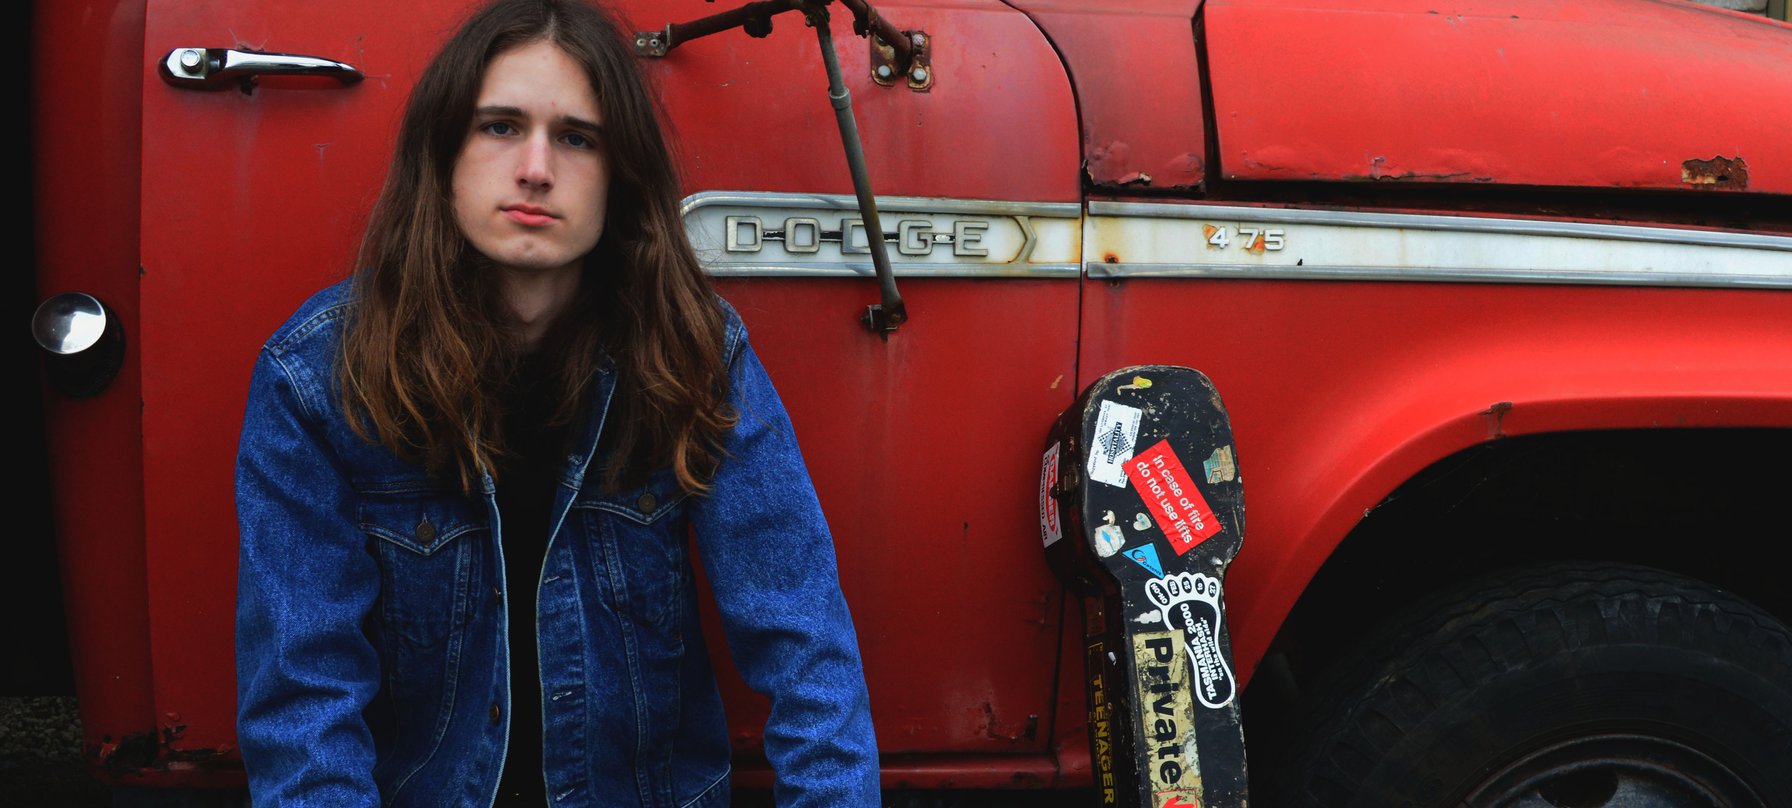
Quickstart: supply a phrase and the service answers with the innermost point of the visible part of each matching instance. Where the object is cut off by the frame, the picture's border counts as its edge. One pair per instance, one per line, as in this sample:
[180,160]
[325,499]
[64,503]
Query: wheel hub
[1611,770]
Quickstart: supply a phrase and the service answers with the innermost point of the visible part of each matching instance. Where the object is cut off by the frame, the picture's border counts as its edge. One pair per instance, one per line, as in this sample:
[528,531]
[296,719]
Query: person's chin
[532,263]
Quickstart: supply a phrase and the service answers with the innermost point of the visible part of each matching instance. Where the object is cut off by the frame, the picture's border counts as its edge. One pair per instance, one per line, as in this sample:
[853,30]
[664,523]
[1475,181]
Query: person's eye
[499,128]
[577,140]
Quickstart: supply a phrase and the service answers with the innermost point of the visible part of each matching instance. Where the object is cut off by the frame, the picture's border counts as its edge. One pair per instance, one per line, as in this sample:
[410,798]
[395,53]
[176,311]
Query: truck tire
[1563,686]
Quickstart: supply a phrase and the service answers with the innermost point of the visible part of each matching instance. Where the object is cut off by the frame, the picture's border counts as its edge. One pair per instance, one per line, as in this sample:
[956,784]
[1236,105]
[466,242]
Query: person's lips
[530,215]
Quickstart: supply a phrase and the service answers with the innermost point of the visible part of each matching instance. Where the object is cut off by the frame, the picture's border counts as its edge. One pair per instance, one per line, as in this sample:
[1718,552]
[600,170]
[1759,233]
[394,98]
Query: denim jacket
[372,651]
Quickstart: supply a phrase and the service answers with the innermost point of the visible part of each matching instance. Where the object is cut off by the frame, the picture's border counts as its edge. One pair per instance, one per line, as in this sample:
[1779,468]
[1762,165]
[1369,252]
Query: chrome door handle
[221,68]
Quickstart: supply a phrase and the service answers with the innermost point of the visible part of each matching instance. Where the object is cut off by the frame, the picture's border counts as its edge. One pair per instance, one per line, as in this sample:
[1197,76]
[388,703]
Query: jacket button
[496,713]
[646,503]
[426,531]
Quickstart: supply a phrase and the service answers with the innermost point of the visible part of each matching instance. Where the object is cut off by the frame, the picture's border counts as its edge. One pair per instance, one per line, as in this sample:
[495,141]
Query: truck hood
[1642,94]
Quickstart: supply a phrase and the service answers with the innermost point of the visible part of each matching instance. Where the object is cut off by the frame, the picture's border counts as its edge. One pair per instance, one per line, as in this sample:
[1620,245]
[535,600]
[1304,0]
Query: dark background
[35,659]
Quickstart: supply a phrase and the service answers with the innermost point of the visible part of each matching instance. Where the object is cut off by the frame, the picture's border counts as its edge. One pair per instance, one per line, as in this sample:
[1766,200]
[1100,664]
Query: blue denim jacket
[372,650]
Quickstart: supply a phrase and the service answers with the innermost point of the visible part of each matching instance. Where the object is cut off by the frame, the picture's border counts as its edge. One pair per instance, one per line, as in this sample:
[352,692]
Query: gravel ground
[40,756]
[40,767]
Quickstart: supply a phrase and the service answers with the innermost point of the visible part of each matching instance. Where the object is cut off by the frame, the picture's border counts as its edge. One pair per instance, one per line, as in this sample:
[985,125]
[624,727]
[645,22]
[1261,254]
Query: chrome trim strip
[834,269]
[897,204]
[1097,269]
[1416,221]
[1744,277]
[717,264]
[1032,238]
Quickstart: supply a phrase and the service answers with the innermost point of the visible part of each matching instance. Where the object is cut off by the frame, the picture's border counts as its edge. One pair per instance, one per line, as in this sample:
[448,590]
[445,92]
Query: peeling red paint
[1188,164]
[1280,162]
[1435,165]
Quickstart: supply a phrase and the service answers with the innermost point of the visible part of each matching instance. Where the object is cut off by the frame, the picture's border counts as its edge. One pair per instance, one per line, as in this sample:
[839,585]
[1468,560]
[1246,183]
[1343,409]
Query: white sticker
[1049,526]
[1109,538]
[1116,432]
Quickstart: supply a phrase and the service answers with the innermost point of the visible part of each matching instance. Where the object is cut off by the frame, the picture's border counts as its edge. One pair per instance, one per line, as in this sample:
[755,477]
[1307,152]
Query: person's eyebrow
[497,112]
[581,123]
[517,112]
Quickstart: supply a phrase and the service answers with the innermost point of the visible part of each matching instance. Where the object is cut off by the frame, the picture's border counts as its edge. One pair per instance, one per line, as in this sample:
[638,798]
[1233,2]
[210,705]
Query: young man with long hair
[467,476]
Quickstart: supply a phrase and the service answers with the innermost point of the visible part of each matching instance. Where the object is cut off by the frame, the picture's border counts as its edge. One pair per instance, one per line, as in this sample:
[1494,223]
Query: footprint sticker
[1191,606]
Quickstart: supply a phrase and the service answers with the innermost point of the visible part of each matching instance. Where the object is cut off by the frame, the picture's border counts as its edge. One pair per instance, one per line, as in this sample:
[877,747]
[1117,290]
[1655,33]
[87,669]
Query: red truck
[1498,296]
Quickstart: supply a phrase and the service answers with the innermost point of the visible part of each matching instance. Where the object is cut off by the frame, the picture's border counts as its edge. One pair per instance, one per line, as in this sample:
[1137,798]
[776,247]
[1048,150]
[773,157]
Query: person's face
[530,182]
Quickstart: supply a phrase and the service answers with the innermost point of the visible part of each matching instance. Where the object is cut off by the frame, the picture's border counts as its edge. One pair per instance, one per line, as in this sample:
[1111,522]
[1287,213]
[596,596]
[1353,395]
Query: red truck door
[923,445]
[251,200]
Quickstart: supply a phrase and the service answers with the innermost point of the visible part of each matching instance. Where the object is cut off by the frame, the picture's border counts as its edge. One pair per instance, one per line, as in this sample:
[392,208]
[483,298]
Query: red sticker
[1174,501]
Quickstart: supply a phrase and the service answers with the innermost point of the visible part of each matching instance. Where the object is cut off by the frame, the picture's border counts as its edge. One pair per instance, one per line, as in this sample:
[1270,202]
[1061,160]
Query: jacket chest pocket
[639,554]
[428,545]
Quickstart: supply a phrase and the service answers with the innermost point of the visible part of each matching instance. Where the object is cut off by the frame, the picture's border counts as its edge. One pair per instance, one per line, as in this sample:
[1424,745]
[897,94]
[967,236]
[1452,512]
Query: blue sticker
[1146,556]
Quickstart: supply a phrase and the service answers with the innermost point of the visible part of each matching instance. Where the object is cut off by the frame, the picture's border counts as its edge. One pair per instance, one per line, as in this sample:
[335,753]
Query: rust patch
[1412,176]
[993,730]
[1110,258]
[197,755]
[132,753]
[1716,173]
[1474,170]
[1496,417]
[1379,172]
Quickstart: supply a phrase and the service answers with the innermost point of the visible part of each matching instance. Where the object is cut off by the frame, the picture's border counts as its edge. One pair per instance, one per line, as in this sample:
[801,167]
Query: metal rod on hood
[755,17]
[880,317]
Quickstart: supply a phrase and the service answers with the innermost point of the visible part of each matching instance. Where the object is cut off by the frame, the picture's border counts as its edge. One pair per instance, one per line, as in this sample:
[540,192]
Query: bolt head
[189,58]
[884,71]
[919,74]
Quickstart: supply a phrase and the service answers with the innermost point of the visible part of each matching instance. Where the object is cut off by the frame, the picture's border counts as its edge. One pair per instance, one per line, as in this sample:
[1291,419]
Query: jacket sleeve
[770,560]
[305,583]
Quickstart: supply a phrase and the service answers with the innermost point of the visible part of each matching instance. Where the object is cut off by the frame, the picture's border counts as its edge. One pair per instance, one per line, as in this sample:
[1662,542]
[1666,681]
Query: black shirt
[526,487]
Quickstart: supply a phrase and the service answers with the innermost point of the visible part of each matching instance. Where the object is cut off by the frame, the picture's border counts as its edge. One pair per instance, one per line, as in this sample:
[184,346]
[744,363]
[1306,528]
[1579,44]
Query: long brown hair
[430,344]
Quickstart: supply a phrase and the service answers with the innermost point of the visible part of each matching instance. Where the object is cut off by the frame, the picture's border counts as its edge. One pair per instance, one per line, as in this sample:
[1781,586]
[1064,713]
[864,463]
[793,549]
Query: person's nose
[535,170]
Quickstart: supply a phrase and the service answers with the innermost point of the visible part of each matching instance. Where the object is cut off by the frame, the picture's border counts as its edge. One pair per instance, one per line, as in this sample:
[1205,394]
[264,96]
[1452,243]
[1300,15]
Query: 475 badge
[1190,605]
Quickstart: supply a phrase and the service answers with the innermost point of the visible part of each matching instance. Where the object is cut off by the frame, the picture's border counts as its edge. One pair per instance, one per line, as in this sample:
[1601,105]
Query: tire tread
[1411,665]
